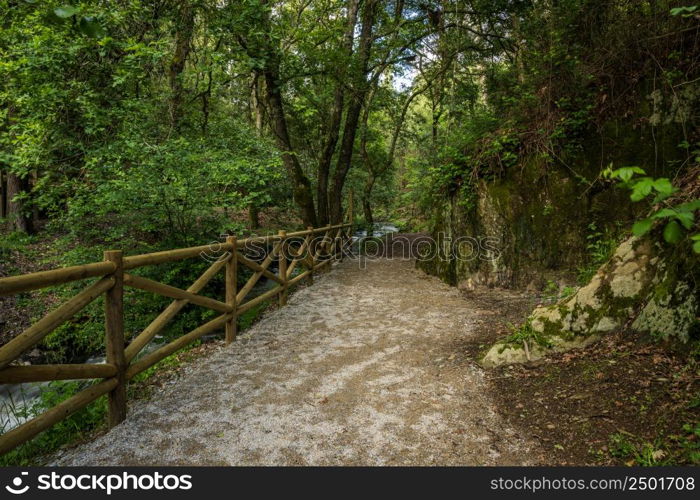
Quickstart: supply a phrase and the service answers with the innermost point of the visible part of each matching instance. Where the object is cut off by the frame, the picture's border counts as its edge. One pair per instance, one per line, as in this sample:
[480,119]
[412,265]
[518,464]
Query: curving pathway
[359,369]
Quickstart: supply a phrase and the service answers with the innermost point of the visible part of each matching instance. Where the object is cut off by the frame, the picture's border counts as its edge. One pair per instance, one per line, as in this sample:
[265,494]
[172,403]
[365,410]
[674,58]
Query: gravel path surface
[362,368]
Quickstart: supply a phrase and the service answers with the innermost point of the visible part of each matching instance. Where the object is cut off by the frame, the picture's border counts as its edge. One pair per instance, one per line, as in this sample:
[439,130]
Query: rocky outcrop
[646,286]
[533,221]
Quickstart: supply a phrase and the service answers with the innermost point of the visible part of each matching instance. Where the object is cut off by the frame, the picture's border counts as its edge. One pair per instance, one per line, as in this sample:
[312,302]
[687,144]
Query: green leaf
[65,11]
[642,227]
[673,232]
[686,218]
[625,173]
[690,206]
[641,188]
[684,11]
[663,186]
[696,247]
[664,214]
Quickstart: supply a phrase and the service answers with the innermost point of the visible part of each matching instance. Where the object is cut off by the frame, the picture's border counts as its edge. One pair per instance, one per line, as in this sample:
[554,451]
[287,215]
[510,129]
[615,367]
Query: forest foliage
[148,124]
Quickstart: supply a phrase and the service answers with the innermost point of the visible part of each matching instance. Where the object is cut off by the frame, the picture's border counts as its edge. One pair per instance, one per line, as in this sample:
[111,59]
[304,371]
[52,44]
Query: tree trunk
[256,103]
[278,122]
[3,195]
[324,164]
[359,92]
[20,220]
[266,50]
[367,204]
[183,38]
[253,216]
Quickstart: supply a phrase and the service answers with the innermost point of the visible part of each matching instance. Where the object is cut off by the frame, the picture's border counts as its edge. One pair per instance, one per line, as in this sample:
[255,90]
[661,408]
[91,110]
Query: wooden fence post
[311,248]
[232,290]
[282,255]
[114,338]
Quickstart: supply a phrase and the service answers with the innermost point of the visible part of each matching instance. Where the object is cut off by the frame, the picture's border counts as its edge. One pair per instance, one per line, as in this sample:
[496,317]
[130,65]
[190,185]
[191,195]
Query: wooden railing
[311,249]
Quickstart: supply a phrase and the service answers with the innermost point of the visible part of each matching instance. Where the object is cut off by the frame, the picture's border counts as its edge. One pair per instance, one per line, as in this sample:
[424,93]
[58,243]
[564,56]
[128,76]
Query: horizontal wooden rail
[150,259]
[169,313]
[175,293]
[32,335]
[317,247]
[42,279]
[257,267]
[42,373]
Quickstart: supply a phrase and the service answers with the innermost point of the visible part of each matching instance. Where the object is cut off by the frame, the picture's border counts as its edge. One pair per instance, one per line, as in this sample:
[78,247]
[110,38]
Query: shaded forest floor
[622,401]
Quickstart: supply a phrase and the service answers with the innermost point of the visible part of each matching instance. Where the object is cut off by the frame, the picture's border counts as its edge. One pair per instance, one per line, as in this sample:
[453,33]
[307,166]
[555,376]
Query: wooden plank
[298,234]
[257,267]
[143,338]
[152,358]
[150,259]
[260,298]
[231,290]
[175,293]
[28,430]
[298,257]
[298,278]
[326,228]
[114,338]
[42,373]
[320,247]
[256,276]
[35,333]
[42,279]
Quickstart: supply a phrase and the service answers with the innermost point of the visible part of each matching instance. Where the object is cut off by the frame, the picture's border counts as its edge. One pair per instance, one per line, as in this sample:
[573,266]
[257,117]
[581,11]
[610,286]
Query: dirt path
[360,369]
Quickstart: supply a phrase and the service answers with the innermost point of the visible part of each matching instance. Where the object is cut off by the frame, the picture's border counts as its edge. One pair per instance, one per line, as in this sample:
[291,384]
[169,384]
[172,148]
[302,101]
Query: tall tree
[359,89]
[184,28]
[335,117]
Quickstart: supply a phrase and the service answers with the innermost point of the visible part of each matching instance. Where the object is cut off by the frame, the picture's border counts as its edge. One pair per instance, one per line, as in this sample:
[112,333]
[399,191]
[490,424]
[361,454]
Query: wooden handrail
[42,373]
[42,279]
[122,363]
[175,293]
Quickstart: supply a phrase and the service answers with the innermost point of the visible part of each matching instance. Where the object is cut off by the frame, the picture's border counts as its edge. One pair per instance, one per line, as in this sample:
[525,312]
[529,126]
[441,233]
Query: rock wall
[532,222]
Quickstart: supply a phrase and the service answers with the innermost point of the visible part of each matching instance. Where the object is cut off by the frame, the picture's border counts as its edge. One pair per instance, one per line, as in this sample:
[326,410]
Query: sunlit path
[350,372]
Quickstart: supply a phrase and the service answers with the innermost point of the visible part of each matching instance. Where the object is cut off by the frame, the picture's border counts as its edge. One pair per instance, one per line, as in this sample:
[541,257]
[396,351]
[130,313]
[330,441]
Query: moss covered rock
[646,285]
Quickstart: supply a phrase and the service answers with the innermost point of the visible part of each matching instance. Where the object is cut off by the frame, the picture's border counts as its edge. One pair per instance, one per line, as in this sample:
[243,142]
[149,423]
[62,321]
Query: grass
[526,333]
[683,449]
[600,247]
